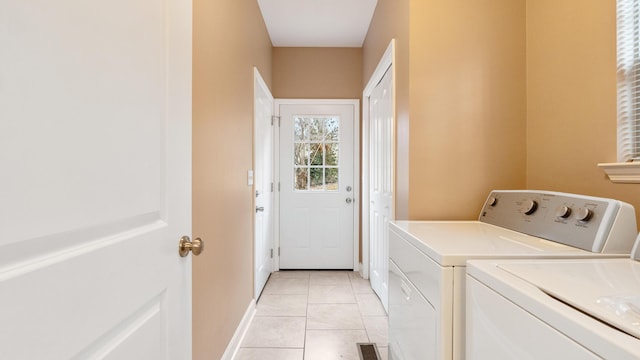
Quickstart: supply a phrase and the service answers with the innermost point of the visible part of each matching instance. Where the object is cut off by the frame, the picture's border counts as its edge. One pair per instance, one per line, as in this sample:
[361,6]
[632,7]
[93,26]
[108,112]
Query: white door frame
[259,83]
[356,170]
[388,59]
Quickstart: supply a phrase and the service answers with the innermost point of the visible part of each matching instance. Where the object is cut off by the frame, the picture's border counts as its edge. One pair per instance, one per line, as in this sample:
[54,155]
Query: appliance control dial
[492,201]
[530,206]
[584,214]
[563,211]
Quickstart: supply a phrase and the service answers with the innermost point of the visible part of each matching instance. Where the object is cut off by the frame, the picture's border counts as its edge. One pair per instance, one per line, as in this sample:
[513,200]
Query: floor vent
[368,351]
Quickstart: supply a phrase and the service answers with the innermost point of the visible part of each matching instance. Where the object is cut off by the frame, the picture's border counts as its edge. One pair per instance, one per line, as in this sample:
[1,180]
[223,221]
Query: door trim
[356,170]
[387,60]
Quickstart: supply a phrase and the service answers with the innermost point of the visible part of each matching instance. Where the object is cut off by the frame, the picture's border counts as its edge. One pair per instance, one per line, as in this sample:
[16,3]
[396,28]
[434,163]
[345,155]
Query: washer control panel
[580,221]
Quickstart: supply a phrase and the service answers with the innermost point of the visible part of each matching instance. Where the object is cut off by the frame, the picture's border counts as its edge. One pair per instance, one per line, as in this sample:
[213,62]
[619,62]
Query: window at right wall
[628,80]
[627,170]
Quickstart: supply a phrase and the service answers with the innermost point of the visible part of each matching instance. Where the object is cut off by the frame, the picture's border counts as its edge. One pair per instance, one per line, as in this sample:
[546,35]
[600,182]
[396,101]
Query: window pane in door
[332,129]
[301,154]
[331,156]
[316,129]
[316,154]
[300,130]
[302,178]
[317,179]
[331,179]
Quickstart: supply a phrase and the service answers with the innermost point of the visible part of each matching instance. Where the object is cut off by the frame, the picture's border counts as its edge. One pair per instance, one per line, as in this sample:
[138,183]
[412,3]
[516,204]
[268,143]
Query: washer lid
[452,243]
[605,289]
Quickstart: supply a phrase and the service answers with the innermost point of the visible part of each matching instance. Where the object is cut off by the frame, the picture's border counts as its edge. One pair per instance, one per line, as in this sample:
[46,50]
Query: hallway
[315,315]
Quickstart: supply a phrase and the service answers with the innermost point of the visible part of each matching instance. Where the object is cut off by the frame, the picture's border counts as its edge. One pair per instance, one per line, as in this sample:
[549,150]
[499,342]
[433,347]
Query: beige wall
[468,104]
[391,21]
[571,98]
[317,73]
[464,133]
[229,38]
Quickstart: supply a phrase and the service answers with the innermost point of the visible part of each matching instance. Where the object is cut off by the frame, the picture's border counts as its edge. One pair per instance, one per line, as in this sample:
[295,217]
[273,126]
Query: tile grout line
[364,325]
[306,318]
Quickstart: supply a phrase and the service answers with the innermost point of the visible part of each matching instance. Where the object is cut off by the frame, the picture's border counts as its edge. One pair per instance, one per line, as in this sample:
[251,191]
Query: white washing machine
[554,309]
[427,267]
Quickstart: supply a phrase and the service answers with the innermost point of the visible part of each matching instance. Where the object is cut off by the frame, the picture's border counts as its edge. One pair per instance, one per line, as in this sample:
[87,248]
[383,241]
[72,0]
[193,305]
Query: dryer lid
[605,289]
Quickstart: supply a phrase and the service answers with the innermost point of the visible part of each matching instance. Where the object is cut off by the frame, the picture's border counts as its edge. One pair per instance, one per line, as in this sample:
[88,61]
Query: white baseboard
[238,336]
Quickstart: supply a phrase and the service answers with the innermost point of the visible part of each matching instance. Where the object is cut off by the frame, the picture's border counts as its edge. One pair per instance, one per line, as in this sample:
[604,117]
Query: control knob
[563,211]
[584,214]
[492,201]
[530,206]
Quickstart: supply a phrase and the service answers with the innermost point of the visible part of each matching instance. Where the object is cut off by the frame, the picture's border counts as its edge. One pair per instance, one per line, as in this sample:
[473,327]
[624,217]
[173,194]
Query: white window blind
[628,23]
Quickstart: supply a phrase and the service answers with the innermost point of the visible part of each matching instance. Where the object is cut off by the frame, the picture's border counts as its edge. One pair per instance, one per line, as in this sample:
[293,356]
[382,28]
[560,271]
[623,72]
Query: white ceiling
[317,23]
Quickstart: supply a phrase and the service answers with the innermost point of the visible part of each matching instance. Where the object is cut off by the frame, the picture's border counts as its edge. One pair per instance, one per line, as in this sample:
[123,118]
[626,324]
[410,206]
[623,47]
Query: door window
[316,152]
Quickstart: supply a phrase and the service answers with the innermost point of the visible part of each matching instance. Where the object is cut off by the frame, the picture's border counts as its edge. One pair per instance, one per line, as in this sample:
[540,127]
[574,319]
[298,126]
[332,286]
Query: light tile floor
[315,315]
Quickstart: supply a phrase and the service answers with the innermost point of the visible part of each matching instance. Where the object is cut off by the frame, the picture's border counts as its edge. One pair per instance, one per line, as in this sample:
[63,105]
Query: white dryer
[427,267]
[554,309]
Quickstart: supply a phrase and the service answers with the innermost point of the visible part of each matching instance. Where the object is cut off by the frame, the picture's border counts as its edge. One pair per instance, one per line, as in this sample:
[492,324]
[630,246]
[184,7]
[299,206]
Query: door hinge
[278,185]
[273,119]
[271,187]
[272,253]
[278,250]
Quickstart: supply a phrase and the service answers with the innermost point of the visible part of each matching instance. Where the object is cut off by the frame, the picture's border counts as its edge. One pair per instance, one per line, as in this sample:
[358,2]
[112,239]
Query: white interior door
[381,183]
[317,190]
[263,183]
[95,154]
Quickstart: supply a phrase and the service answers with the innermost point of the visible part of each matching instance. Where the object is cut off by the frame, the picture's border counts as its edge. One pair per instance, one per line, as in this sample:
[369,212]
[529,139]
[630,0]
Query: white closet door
[264,183]
[95,184]
[380,184]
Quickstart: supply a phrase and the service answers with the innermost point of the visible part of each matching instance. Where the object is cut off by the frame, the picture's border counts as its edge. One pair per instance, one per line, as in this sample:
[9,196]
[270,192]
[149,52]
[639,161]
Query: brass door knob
[185,245]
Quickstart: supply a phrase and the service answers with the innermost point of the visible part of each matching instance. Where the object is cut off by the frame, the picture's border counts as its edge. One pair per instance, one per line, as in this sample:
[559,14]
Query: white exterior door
[380,183]
[264,183]
[95,184]
[317,185]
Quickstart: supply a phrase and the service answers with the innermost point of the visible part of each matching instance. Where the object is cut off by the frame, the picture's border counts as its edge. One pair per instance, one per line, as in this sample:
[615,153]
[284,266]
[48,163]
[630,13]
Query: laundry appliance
[554,309]
[427,267]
